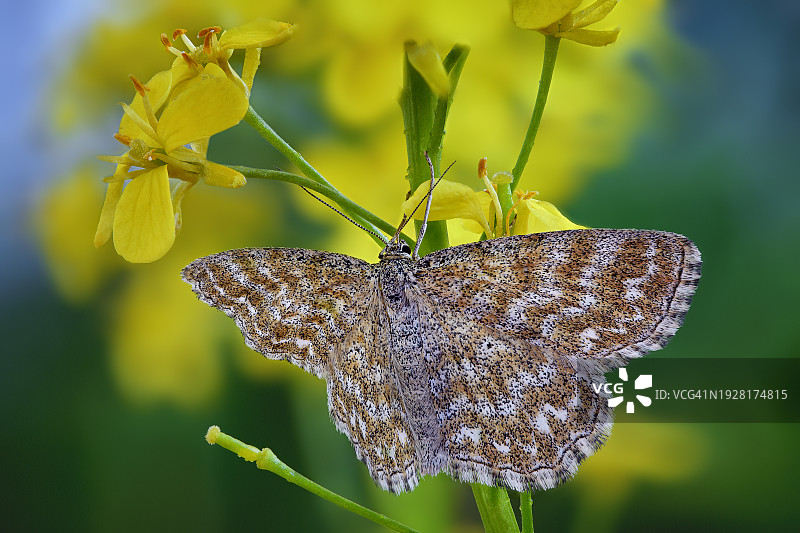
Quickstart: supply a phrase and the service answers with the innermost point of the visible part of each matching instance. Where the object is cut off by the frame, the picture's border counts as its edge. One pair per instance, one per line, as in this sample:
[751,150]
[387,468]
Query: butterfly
[477,360]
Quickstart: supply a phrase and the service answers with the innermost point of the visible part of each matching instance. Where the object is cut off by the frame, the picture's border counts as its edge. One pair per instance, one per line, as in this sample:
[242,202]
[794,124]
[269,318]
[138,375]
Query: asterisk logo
[645,381]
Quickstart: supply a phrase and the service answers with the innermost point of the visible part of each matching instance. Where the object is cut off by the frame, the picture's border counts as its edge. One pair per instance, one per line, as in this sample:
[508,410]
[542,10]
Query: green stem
[361,215]
[424,117]
[453,63]
[266,460]
[495,509]
[266,131]
[526,510]
[271,136]
[506,200]
[418,104]
[548,65]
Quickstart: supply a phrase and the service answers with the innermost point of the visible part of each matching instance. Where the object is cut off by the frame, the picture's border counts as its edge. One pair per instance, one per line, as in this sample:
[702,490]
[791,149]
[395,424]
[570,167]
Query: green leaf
[495,509]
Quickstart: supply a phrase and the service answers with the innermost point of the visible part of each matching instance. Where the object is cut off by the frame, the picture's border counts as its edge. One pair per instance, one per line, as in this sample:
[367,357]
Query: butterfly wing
[516,329]
[507,414]
[290,304]
[599,294]
[364,403]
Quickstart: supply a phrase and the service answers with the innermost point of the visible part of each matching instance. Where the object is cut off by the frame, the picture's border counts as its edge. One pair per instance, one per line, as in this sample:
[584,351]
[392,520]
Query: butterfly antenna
[429,198]
[378,235]
[406,219]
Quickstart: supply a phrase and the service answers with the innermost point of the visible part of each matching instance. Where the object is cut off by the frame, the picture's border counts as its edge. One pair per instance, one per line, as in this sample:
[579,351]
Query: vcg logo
[645,381]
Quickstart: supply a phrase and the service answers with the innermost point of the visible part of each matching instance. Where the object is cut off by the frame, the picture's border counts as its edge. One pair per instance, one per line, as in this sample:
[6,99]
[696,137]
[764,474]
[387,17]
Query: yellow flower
[481,210]
[65,215]
[537,216]
[144,215]
[251,37]
[637,455]
[151,358]
[556,17]
[450,200]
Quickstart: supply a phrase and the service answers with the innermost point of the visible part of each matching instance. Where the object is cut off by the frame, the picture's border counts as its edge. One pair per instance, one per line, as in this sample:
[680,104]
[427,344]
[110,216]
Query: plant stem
[361,215]
[417,103]
[453,63]
[526,510]
[495,509]
[265,130]
[493,503]
[424,117]
[266,460]
[550,53]
[506,201]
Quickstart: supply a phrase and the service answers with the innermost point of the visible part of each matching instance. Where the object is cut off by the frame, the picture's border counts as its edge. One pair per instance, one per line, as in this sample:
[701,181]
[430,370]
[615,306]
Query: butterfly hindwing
[365,404]
[509,414]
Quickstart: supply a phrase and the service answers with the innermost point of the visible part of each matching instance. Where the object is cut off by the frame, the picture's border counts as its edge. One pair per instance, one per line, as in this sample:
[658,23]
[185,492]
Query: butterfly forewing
[608,295]
[290,303]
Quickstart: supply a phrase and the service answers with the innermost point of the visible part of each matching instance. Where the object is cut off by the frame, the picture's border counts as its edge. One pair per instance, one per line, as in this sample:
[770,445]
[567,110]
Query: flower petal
[488,209]
[106,224]
[144,224]
[178,193]
[450,200]
[221,176]
[591,37]
[537,216]
[257,34]
[535,14]
[594,13]
[181,71]
[426,60]
[209,104]
[159,86]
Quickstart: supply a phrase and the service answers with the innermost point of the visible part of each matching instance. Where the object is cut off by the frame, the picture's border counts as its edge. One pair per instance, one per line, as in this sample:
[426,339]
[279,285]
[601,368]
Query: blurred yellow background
[112,372]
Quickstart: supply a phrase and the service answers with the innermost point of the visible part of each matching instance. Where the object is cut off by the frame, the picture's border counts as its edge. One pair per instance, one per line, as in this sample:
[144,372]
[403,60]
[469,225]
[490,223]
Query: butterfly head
[396,249]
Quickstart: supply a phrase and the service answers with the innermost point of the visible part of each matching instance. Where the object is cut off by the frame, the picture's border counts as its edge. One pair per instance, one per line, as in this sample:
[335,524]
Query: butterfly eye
[405,248]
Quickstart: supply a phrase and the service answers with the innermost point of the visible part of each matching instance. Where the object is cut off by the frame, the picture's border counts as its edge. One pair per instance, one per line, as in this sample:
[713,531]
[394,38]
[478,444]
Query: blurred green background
[113,372]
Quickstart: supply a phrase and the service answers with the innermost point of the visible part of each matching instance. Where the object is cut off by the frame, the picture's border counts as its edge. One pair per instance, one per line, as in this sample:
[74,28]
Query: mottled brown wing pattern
[290,303]
[364,403]
[509,414]
[606,295]
[476,360]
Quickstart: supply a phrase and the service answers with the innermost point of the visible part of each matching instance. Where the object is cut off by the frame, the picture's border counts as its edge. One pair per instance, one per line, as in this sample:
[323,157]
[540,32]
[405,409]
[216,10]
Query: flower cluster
[481,210]
[167,128]
[351,62]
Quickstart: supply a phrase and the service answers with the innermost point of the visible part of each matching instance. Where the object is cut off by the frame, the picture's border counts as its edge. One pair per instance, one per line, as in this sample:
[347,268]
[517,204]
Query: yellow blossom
[479,209]
[450,200]
[636,455]
[557,18]
[144,215]
[251,37]
[151,359]
[537,216]
[256,34]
